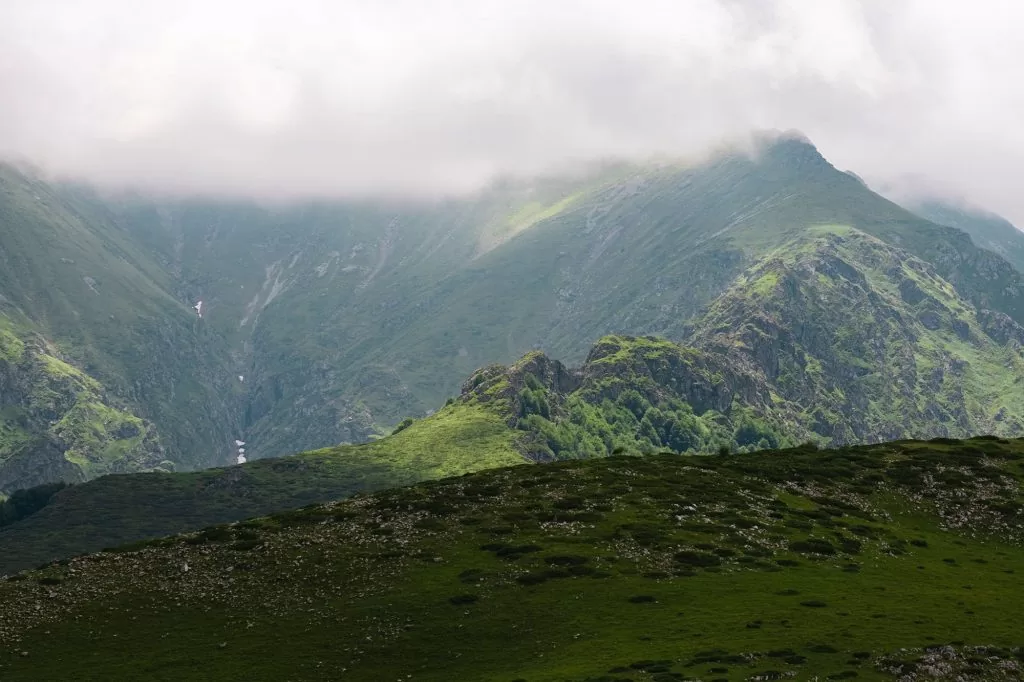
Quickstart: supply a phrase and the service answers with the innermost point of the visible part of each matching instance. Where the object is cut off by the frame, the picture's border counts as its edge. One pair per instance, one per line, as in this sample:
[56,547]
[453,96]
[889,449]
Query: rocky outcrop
[1001,327]
[860,341]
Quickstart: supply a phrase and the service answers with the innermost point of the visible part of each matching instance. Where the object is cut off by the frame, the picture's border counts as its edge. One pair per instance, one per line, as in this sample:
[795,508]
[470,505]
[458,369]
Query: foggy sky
[306,97]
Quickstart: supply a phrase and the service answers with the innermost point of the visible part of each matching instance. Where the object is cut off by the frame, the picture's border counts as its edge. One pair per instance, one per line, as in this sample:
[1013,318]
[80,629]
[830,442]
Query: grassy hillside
[870,563]
[857,340]
[59,424]
[114,510]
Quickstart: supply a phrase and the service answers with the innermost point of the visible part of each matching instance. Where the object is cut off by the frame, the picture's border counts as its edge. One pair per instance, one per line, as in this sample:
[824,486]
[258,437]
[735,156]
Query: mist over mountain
[311,99]
[577,341]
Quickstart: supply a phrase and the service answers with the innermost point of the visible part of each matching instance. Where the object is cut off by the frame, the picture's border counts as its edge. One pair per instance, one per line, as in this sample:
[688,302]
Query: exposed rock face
[696,377]
[500,383]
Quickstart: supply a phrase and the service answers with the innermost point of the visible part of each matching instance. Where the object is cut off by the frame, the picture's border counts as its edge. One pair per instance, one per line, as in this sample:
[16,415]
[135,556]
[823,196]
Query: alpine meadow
[421,342]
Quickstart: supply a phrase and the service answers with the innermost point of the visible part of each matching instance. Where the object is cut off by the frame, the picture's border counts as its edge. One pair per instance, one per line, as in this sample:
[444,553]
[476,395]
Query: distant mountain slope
[343,318]
[71,277]
[988,230]
[874,562]
[328,322]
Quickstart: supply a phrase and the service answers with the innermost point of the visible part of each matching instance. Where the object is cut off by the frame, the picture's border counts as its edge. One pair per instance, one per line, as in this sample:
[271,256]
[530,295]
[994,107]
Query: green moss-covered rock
[59,424]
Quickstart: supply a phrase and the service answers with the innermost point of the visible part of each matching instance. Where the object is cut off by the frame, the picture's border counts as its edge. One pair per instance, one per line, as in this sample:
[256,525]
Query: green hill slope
[114,510]
[58,424]
[856,341]
[872,563]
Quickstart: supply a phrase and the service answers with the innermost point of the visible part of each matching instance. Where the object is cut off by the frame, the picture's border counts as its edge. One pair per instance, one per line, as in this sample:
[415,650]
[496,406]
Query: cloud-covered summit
[311,97]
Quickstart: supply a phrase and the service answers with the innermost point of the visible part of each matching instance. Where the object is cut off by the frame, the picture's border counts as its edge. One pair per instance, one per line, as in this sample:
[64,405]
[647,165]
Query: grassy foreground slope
[893,561]
[114,510]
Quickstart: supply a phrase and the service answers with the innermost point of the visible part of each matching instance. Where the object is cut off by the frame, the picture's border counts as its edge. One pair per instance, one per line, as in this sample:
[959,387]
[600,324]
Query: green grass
[457,439]
[11,347]
[58,369]
[99,436]
[117,509]
[61,423]
[804,562]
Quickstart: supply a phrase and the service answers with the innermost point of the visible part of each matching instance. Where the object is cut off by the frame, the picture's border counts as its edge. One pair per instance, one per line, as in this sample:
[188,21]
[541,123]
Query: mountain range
[800,306]
[735,418]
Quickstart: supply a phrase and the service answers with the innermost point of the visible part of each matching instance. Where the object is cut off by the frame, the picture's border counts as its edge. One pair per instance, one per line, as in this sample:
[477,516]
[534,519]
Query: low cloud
[334,98]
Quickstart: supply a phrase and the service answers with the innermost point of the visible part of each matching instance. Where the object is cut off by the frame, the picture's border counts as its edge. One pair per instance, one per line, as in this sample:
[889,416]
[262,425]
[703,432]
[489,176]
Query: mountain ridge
[330,322]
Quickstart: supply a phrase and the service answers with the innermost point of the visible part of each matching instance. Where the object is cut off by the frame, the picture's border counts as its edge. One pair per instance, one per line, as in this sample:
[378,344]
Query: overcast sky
[338,97]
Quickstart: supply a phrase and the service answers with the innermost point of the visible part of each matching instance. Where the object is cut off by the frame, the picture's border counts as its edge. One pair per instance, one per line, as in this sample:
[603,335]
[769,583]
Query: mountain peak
[790,147]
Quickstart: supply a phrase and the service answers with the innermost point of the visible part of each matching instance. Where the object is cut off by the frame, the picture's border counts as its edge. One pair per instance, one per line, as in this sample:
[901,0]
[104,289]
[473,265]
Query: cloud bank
[341,98]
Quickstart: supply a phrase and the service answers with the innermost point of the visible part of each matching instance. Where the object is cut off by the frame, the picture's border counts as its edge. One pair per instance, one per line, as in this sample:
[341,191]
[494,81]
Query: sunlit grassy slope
[123,508]
[57,422]
[867,563]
